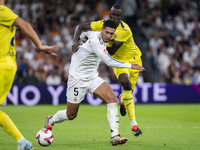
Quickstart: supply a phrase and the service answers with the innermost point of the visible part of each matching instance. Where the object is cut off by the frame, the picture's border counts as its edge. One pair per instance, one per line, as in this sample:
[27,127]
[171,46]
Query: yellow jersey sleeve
[7,17]
[97,25]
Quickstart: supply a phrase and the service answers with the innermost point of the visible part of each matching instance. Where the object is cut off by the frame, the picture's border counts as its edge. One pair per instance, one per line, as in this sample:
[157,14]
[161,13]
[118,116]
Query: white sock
[133,122]
[59,117]
[113,118]
[21,140]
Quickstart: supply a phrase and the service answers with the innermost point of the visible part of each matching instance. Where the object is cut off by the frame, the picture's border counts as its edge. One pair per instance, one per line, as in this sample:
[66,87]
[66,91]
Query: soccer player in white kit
[83,78]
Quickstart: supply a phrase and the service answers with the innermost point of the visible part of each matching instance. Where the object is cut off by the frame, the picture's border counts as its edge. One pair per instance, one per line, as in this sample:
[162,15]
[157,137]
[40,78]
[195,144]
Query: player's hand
[137,67]
[75,46]
[49,49]
[84,39]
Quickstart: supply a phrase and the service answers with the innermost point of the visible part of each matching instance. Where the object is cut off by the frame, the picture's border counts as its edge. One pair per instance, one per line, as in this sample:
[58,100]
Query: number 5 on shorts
[75,91]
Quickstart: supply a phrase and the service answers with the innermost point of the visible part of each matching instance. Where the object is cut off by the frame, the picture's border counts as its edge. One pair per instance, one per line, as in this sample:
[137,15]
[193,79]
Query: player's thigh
[76,90]
[127,76]
[6,81]
[133,78]
[133,74]
[105,92]
[123,76]
[119,71]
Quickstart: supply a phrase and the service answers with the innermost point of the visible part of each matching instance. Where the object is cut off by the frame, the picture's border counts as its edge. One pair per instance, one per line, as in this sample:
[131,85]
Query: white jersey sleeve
[86,35]
[101,52]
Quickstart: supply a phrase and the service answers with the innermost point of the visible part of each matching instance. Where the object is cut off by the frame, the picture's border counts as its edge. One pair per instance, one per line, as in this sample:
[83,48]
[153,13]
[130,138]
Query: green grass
[165,127]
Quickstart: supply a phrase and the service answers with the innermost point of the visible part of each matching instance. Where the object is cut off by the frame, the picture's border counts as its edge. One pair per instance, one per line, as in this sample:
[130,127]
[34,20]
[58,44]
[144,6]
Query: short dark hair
[110,24]
[117,6]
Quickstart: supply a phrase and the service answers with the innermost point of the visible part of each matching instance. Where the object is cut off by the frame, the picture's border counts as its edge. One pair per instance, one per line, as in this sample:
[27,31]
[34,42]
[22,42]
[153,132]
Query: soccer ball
[45,137]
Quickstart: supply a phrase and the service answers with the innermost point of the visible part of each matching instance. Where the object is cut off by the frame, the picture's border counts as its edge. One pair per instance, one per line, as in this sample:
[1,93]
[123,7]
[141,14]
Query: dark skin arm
[28,30]
[116,45]
[79,29]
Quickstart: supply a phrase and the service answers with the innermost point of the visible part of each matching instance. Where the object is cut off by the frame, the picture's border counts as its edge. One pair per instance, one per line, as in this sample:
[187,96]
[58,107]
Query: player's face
[107,33]
[115,15]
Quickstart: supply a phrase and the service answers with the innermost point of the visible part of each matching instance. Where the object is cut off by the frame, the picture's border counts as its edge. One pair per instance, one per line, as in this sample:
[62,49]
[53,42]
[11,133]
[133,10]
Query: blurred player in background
[8,66]
[84,78]
[122,47]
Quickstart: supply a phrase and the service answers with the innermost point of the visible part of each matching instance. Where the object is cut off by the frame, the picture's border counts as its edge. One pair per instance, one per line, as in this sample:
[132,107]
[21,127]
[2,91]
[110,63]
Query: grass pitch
[165,127]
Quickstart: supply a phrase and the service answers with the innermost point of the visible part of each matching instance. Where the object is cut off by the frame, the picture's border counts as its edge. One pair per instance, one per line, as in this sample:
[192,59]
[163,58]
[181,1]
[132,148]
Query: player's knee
[71,116]
[112,99]
[125,82]
[127,86]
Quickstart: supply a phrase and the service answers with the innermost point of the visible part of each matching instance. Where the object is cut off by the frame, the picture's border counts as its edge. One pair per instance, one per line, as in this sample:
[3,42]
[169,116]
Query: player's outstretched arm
[138,67]
[28,30]
[116,45]
[79,29]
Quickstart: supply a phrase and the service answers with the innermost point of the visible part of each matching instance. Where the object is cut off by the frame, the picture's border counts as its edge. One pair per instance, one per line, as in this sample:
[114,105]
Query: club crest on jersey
[75,99]
[10,54]
[115,36]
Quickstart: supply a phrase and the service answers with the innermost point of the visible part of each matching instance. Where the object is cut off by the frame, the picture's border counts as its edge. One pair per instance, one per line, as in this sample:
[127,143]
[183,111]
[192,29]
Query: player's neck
[1,2]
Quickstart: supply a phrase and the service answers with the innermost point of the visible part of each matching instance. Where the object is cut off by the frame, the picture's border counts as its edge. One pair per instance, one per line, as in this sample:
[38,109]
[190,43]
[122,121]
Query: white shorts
[77,88]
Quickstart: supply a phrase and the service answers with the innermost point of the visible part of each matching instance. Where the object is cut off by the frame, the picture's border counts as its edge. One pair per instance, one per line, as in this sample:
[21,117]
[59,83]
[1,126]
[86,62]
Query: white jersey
[85,61]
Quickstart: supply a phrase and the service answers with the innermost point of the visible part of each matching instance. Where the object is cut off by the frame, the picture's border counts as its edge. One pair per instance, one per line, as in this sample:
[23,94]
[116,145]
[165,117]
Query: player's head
[108,30]
[115,13]
[109,23]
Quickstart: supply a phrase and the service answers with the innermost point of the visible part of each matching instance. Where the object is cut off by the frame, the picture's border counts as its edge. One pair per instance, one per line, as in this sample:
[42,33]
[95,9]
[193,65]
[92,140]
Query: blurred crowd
[55,22]
[170,31]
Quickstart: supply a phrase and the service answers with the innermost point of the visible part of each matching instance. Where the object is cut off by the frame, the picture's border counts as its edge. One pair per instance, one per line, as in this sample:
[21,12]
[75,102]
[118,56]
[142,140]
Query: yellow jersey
[128,52]
[7,38]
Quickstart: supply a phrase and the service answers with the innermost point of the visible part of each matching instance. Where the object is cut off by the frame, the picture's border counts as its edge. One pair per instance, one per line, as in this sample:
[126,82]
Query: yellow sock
[129,103]
[9,126]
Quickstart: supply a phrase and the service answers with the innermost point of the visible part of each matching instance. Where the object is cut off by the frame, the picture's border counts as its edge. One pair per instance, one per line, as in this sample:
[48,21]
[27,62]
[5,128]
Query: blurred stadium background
[166,31]
[168,34]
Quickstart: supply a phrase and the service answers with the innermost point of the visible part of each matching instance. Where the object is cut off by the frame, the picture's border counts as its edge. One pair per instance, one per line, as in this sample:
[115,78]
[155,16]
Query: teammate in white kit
[83,78]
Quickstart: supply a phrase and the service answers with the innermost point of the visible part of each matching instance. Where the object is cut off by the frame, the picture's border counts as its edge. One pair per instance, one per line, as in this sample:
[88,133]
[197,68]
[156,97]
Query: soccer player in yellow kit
[122,47]
[8,66]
